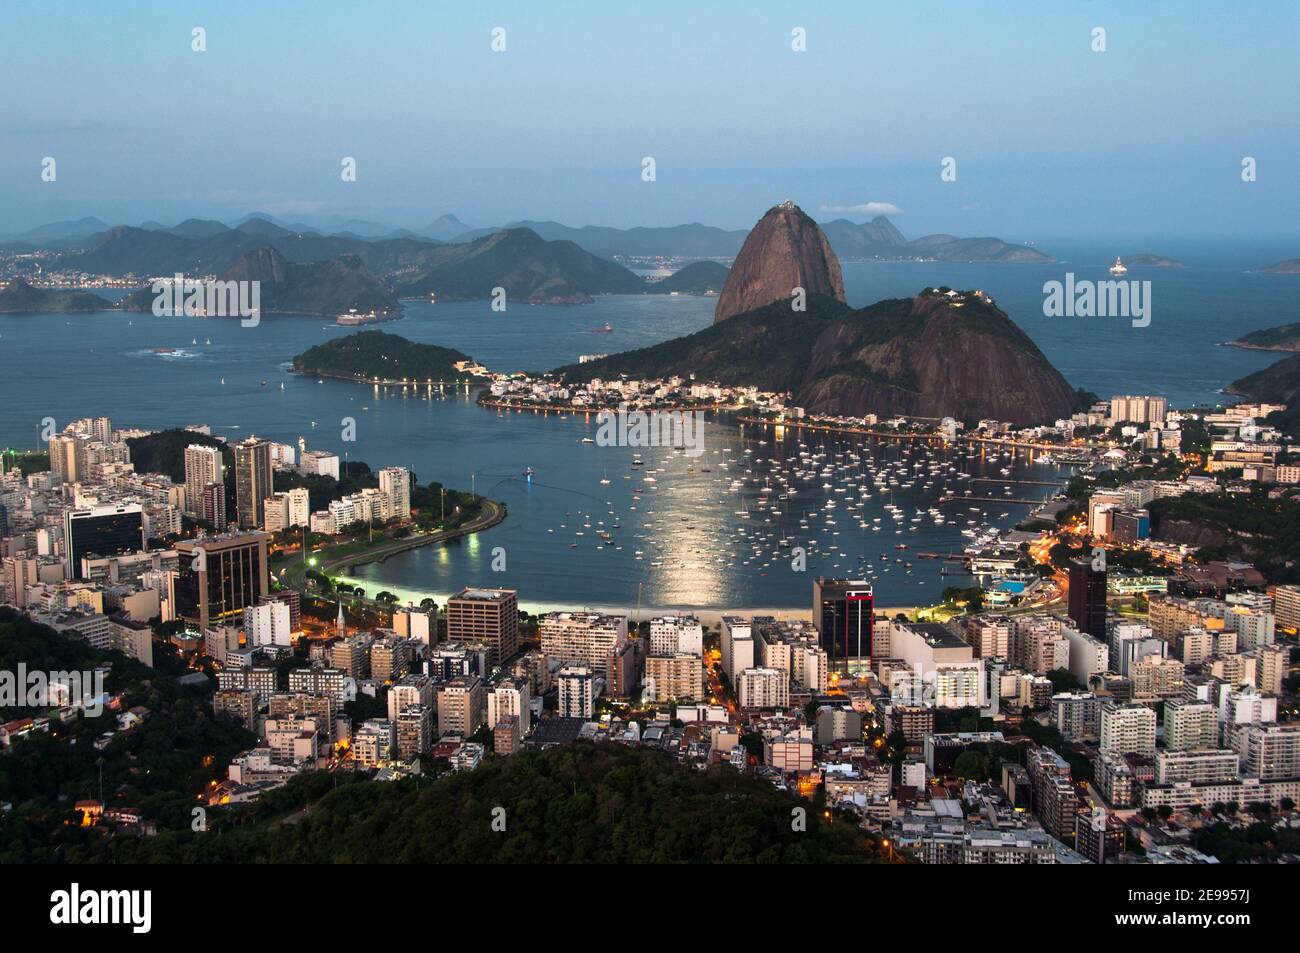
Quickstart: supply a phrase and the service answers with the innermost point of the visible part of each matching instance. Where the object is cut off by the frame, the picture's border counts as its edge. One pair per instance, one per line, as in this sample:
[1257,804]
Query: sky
[1051,138]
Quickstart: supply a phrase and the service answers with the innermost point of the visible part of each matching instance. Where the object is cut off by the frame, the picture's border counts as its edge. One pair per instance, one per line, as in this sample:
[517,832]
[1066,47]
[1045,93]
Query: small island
[376,356]
[19,297]
[1148,260]
[1289,267]
[1285,337]
[697,278]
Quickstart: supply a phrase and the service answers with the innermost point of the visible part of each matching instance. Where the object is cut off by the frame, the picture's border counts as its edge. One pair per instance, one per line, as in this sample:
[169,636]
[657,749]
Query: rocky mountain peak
[784,251]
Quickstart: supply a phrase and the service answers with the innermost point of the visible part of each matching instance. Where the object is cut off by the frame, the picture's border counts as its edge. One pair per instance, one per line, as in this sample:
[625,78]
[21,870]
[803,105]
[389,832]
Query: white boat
[1118,268]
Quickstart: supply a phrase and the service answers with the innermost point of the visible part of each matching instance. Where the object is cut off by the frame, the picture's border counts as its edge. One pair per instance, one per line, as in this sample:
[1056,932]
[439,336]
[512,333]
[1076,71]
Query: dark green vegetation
[25,461]
[158,767]
[581,803]
[1249,527]
[1285,337]
[370,355]
[18,297]
[164,452]
[923,356]
[1257,842]
[697,278]
[1275,384]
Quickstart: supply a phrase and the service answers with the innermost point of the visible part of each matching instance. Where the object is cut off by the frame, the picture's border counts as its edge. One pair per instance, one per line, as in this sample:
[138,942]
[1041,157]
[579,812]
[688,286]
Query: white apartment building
[737,646]
[582,638]
[1190,725]
[763,688]
[674,635]
[267,623]
[1128,729]
[577,687]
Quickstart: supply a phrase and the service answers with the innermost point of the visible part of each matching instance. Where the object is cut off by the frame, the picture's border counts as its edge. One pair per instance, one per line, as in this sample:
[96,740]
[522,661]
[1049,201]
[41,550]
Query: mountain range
[878,238]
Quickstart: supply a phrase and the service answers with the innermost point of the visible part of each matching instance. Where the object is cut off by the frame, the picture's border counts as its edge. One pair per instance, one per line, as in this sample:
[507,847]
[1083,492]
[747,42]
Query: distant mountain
[327,288]
[367,355]
[529,268]
[938,354]
[363,229]
[1289,267]
[263,228]
[783,251]
[1276,384]
[445,228]
[875,239]
[56,231]
[1286,337]
[18,297]
[199,228]
[697,278]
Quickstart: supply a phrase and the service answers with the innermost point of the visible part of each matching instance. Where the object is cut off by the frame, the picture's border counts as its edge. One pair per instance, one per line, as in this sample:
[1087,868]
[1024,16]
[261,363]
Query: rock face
[940,354]
[935,355]
[784,251]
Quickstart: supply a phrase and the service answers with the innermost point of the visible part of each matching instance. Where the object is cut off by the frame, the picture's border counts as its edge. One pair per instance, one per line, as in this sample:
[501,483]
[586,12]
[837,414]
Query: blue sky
[1051,138]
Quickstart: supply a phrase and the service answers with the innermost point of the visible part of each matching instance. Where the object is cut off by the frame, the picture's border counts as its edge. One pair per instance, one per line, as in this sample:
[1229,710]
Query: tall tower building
[395,483]
[67,458]
[219,577]
[252,481]
[203,465]
[843,614]
[489,616]
[1088,597]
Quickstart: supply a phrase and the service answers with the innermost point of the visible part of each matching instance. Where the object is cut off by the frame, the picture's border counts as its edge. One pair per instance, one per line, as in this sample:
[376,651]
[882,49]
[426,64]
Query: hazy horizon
[1144,139]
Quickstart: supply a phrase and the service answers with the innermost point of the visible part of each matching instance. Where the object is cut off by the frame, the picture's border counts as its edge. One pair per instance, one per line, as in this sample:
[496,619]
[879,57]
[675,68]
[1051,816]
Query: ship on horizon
[1118,268]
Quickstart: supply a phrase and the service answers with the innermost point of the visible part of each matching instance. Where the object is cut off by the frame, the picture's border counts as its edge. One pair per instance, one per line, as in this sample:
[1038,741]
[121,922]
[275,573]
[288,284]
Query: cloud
[866,208]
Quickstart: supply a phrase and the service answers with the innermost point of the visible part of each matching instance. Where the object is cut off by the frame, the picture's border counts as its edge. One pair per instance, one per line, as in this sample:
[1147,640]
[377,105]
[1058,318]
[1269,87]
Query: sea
[687,538]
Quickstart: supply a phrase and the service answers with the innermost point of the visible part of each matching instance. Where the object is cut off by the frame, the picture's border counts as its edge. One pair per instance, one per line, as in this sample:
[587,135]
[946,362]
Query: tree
[1165,812]
[971,765]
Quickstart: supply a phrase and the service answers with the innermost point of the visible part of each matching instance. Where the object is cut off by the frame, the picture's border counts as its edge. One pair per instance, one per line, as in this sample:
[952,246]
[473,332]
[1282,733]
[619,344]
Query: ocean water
[234,378]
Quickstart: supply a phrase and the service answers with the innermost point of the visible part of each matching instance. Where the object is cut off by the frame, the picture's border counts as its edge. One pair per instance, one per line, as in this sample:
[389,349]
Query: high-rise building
[203,466]
[67,458]
[396,483]
[486,616]
[843,614]
[1088,597]
[299,507]
[212,506]
[577,687]
[252,481]
[1286,607]
[582,638]
[461,706]
[101,531]
[510,698]
[673,677]
[1190,725]
[220,576]
[267,623]
[1128,729]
